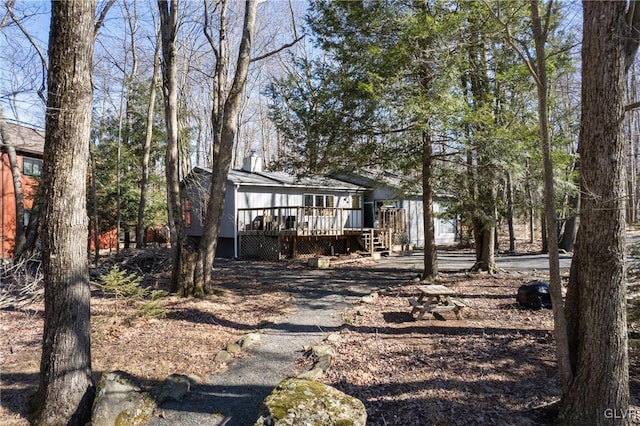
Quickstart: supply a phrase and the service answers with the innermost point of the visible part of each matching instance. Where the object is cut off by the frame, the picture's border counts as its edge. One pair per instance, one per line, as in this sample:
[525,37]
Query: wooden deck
[303,231]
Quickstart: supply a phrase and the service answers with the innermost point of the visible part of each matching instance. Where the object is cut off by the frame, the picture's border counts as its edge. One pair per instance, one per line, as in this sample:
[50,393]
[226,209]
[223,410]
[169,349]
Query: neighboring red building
[29,146]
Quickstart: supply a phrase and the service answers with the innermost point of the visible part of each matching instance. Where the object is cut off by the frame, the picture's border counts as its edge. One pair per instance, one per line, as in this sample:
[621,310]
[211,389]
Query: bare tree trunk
[596,298]
[571,221]
[512,235]
[224,121]
[544,231]
[31,235]
[223,148]
[485,260]
[94,199]
[632,139]
[539,73]
[430,255]
[66,389]
[532,210]
[8,146]
[146,150]
[169,29]
[570,225]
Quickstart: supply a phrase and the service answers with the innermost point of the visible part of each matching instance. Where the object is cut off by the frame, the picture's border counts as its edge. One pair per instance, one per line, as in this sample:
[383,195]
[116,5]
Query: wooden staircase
[371,241]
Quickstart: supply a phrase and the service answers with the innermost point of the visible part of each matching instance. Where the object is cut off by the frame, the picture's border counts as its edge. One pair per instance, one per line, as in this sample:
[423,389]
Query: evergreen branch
[525,55]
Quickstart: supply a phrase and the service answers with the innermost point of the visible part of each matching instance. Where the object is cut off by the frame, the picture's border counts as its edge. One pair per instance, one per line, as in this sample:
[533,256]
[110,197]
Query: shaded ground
[493,367]
[496,366]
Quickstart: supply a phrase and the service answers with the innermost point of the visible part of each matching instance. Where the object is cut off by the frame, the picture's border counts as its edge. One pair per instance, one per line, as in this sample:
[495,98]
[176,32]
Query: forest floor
[495,366]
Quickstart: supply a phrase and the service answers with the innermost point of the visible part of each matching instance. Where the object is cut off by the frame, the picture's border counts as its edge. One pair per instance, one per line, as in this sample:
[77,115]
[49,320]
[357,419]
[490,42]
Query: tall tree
[66,389]
[146,149]
[537,66]
[169,34]
[192,262]
[596,297]
[224,118]
[376,104]
[481,157]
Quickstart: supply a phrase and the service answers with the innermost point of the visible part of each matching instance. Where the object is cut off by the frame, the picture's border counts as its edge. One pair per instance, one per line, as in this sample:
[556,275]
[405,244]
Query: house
[29,146]
[271,215]
[384,192]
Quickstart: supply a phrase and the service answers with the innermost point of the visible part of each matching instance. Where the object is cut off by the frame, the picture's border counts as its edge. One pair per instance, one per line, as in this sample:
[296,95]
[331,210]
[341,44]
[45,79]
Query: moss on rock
[298,401]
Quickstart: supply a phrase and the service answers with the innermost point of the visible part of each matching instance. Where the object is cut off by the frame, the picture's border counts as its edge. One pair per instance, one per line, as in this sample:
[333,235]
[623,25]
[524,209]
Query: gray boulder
[248,340]
[296,402]
[173,388]
[120,401]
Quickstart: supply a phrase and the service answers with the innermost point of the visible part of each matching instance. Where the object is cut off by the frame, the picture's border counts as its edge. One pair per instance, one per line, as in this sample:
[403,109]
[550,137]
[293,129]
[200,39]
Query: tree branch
[632,106]
[524,55]
[547,19]
[205,28]
[280,49]
[43,58]
[101,17]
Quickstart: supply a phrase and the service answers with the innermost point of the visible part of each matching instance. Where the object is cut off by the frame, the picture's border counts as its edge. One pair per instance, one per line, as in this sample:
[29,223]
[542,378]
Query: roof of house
[390,180]
[371,178]
[285,180]
[26,140]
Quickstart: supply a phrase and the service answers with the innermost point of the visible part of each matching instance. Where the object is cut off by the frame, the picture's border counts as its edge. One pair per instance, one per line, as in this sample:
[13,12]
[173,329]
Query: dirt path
[319,297]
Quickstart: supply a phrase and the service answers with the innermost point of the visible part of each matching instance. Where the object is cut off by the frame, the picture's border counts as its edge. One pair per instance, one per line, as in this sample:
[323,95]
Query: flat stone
[234,348]
[194,379]
[368,299]
[223,356]
[320,350]
[323,363]
[333,337]
[313,374]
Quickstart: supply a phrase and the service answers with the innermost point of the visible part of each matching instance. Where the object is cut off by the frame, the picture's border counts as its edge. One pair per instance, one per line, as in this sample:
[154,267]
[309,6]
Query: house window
[186,212]
[323,205]
[31,167]
[355,202]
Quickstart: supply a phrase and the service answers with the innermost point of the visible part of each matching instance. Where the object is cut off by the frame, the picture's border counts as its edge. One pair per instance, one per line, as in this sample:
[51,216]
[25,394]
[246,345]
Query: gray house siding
[444,229]
[262,190]
[381,193]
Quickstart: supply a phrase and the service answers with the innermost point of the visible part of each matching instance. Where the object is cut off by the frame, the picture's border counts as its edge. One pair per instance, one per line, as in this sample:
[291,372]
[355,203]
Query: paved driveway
[457,262]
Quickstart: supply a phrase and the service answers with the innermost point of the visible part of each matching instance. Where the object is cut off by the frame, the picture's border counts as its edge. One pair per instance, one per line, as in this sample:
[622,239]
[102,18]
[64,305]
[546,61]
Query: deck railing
[300,220]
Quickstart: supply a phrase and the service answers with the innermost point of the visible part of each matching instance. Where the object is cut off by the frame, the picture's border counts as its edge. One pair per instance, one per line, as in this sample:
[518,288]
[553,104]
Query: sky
[21,69]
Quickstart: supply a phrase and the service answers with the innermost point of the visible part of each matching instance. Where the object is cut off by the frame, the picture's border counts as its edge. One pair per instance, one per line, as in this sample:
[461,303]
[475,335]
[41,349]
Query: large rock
[307,402]
[173,388]
[120,401]
[248,340]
